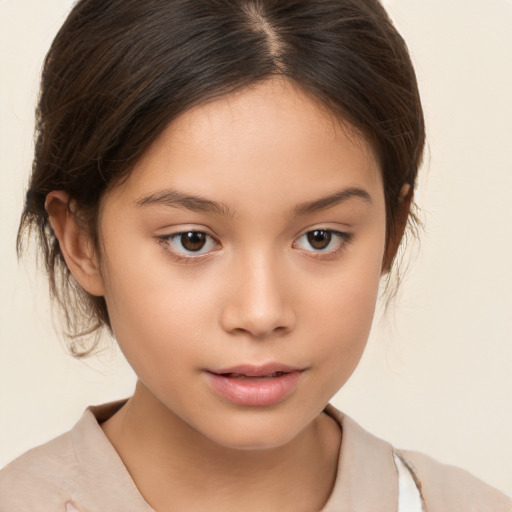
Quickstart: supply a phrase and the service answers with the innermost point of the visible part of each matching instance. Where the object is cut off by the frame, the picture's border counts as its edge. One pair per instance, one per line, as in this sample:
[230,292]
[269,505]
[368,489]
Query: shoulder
[442,487]
[446,487]
[77,471]
[35,481]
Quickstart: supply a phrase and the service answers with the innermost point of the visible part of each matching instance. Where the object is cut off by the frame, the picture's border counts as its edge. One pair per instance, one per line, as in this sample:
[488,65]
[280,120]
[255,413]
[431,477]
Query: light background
[437,375]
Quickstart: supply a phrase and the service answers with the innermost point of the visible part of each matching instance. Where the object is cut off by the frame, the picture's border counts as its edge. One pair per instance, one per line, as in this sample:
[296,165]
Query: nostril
[260,310]
[257,331]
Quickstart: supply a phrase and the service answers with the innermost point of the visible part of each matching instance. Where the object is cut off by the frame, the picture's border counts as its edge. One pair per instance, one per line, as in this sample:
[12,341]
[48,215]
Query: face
[240,263]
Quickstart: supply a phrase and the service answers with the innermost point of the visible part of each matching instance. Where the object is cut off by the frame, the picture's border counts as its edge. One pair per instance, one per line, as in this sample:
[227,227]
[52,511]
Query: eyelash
[185,257]
[343,239]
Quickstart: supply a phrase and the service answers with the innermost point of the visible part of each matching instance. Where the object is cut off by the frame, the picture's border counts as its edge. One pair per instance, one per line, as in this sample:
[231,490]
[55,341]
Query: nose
[258,302]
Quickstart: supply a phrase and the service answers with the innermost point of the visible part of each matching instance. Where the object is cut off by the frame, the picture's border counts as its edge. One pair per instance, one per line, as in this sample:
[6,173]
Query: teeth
[242,376]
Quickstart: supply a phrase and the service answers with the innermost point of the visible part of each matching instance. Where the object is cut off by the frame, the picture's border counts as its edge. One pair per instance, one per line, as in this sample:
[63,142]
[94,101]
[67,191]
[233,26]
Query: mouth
[255,385]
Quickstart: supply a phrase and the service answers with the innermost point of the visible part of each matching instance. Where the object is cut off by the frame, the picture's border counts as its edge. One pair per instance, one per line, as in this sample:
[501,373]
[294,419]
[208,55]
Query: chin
[254,433]
[254,442]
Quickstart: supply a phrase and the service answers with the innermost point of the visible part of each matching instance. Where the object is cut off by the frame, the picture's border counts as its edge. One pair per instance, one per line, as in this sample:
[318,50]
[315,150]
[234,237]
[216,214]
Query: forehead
[270,135]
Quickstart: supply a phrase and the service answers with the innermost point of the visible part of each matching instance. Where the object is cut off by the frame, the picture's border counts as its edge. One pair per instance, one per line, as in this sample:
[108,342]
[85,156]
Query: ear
[405,200]
[75,242]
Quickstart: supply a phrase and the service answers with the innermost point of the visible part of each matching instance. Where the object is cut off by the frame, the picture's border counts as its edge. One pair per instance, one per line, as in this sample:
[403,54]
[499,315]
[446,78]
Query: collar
[366,479]
[100,465]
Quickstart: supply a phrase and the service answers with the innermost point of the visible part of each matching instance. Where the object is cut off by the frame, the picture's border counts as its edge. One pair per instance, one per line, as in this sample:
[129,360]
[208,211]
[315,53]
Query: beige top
[80,470]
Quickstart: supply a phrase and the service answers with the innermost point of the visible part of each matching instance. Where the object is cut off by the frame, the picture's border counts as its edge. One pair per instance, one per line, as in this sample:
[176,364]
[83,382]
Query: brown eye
[189,245]
[319,239]
[193,241]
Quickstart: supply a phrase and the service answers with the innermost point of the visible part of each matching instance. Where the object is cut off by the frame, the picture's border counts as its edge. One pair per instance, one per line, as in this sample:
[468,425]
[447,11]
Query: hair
[119,71]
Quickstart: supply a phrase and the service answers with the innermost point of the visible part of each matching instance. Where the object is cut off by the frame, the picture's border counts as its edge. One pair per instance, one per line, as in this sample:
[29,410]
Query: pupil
[193,240]
[319,239]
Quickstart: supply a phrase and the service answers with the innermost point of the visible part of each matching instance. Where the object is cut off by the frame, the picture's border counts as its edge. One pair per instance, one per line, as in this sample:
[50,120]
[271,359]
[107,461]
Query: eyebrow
[176,199]
[332,200]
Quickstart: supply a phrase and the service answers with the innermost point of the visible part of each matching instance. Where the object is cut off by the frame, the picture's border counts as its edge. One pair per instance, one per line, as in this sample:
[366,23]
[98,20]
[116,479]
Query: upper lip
[250,370]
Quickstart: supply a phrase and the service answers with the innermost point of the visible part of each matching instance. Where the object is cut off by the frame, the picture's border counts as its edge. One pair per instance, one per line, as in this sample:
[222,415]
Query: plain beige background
[437,375]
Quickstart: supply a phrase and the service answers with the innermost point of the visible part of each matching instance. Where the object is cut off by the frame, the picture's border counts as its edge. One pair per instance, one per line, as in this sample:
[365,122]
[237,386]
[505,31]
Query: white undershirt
[409,497]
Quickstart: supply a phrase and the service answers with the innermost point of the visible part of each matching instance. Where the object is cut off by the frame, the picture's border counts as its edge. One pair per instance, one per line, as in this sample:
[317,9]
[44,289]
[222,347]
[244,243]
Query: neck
[175,467]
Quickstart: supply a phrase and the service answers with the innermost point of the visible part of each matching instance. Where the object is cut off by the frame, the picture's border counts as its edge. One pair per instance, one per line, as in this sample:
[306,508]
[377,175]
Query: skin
[257,292]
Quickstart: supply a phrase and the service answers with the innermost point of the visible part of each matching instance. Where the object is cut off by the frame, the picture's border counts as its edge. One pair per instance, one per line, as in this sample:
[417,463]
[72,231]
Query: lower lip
[255,391]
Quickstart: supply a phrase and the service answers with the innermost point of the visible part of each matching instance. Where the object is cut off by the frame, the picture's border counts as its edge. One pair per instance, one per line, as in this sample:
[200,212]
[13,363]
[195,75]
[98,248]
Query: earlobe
[75,242]
[404,207]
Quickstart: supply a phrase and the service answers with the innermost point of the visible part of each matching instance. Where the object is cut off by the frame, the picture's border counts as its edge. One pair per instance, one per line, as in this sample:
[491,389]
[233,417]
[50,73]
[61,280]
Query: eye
[319,239]
[323,241]
[189,243]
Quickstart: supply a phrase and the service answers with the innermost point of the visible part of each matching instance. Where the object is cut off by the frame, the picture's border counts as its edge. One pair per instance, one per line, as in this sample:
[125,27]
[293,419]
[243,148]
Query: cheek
[345,309]
[157,314]
[346,318]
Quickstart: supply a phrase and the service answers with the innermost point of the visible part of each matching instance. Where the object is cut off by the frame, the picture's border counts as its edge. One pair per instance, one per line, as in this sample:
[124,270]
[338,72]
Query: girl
[222,184]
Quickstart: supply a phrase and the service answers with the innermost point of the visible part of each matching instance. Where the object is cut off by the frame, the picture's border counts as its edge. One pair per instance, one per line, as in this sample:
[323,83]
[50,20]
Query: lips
[255,385]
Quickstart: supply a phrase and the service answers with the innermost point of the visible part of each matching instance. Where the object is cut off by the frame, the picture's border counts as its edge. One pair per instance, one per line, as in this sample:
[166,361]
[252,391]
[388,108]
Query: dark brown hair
[119,71]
